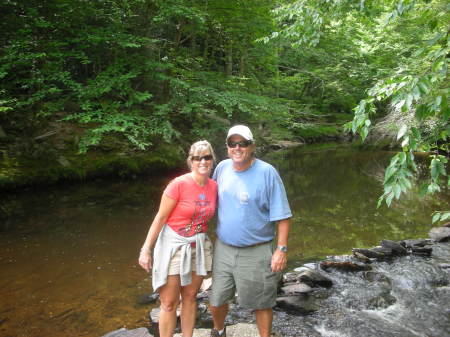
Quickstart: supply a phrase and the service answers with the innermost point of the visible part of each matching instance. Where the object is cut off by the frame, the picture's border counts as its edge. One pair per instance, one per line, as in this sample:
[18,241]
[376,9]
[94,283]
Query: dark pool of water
[68,254]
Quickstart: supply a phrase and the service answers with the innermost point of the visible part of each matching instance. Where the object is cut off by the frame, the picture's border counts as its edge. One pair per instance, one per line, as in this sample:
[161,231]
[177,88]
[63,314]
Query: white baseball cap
[240,130]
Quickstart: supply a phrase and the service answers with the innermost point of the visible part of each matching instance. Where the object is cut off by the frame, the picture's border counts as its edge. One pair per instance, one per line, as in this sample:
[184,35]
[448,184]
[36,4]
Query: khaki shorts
[245,270]
[174,267]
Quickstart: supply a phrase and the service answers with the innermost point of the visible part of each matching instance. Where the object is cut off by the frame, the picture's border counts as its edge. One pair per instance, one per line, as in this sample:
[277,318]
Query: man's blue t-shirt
[249,203]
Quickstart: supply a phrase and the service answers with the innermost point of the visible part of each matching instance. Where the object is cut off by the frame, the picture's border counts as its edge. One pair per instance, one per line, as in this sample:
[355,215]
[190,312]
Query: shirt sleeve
[173,189]
[279,206]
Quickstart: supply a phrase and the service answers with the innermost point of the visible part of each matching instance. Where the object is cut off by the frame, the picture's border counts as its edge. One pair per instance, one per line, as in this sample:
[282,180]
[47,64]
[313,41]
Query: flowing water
[68,254]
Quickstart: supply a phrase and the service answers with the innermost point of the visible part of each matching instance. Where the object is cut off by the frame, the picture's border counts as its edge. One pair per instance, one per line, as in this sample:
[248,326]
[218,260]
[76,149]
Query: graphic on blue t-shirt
[243,197]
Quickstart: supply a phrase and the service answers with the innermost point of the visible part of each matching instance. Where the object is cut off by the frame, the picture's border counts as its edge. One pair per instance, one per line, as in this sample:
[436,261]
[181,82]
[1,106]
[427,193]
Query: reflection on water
[68,255]
[334,196]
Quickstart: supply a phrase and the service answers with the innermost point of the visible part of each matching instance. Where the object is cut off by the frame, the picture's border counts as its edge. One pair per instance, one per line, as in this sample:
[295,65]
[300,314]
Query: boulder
[440,234]
[296,288]
[424,251]
[370,253]
[147,298]
[346,266]
[373,276]
[382,301]
[361,257]
[314,278]
[396,248]
[384,251]
[299,304]
[415,243]
[289,278]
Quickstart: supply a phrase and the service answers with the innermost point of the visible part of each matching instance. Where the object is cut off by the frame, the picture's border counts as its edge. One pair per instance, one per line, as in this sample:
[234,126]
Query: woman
[177,236]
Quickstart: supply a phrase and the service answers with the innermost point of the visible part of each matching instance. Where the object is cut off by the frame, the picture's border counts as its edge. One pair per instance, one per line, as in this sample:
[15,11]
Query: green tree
[405,56]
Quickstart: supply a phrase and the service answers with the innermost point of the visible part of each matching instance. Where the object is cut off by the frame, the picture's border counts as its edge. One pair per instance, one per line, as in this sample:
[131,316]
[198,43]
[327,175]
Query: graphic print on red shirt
[195,206]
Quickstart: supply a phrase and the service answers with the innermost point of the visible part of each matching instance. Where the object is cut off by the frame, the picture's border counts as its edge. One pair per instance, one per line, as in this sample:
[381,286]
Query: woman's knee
[169,306]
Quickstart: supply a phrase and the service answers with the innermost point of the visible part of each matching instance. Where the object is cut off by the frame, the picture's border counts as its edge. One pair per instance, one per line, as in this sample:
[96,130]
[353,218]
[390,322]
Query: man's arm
[279,258]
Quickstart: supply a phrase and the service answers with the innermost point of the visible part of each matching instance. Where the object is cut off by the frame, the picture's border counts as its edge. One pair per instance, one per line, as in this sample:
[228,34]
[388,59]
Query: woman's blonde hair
[199,148]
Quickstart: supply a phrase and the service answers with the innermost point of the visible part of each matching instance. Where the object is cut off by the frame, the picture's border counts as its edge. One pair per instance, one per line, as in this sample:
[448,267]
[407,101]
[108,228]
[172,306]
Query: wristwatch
[282,248]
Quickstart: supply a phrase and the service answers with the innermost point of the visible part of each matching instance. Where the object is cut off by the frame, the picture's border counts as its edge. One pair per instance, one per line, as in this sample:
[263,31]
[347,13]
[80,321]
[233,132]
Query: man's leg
[264,319]
[223,284]
[219,314]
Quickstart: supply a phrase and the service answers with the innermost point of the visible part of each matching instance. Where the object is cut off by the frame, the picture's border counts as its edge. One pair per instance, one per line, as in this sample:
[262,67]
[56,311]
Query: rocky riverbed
[395,289]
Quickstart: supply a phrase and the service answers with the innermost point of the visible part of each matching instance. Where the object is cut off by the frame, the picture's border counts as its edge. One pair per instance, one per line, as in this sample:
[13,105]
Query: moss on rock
[69,166]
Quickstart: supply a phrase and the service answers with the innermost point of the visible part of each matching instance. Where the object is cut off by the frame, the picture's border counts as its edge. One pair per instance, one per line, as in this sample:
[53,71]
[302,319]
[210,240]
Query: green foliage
[441,216]
[402,48]
[419,90]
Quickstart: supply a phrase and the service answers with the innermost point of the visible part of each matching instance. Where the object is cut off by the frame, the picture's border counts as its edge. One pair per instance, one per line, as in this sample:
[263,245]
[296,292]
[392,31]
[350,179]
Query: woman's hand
[145,259]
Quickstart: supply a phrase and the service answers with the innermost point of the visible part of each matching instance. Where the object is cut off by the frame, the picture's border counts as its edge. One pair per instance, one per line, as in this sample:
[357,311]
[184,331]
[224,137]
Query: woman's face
[202,163]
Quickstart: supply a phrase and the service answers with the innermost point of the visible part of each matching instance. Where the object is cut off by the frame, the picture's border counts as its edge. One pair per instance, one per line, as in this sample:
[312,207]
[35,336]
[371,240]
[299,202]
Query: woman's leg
[189,305]
[169,295]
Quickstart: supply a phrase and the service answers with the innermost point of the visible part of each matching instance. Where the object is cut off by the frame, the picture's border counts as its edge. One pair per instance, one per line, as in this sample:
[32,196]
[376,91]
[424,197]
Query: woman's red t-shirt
[195,206]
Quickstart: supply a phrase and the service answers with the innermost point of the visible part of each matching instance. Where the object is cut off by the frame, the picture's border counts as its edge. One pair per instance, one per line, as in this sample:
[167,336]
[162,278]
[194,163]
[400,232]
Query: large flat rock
[238,330]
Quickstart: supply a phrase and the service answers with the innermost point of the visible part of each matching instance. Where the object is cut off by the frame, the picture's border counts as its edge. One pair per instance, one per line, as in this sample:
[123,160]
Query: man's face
[241,156]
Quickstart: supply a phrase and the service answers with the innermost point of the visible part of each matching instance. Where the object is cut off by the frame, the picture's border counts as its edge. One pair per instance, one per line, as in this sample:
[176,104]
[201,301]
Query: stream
[68,253]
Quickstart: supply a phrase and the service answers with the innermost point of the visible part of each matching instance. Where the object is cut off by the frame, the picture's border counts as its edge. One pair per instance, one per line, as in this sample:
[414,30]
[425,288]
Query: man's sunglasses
[198,158]
[242,143]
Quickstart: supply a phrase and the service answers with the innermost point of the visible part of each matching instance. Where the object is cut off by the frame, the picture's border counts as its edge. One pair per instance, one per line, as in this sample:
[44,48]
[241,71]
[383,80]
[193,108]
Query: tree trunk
[229,60]
[242,63]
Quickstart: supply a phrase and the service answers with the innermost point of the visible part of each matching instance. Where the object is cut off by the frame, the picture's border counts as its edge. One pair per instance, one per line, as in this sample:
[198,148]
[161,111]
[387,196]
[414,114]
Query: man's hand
[279,260]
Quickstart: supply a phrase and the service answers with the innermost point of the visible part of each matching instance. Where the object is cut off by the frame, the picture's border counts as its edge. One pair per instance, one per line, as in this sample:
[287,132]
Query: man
[252,202]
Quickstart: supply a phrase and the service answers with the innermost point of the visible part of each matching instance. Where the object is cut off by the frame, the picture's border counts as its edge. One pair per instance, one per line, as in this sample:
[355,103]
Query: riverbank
[68,166]
[54,157]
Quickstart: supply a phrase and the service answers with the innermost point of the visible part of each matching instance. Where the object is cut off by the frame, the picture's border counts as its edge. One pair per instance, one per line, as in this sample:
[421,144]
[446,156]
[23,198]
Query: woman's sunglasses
[242,143]
[199,158]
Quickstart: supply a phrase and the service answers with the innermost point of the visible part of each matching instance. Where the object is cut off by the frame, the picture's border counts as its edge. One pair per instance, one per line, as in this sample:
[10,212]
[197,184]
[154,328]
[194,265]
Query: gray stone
[373,276]
[397,249]
[139,332]
[300,304]
[237,330]
[415,243]
[425,251]
[147,298]
[346,266]
[290,278]
[440,233]
[314,278]
[383,251]
[296,288]
[361,257]
[368,252]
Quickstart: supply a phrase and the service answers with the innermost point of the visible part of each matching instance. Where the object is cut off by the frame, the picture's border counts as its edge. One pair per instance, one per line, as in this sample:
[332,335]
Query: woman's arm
[165,208]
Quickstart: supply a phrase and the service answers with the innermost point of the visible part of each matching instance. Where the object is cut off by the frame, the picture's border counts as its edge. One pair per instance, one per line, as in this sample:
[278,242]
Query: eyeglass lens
[243,143]
[198,158]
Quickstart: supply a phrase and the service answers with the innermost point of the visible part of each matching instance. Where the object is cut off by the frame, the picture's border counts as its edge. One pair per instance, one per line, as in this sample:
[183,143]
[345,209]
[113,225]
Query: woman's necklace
[201,182]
